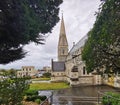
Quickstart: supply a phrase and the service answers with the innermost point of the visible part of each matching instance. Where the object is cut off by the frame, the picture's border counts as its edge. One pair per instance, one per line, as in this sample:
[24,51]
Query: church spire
[62,28]
[62,44]
[62,36]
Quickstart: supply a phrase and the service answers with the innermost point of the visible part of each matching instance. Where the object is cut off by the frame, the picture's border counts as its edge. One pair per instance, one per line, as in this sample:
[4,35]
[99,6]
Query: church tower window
[63,51]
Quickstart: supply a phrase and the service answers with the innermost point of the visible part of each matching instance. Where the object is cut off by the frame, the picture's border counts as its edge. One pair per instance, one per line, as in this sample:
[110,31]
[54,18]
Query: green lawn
[48,86]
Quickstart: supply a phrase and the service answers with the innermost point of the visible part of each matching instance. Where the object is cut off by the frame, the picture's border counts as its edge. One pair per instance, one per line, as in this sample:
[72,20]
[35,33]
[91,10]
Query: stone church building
[70,66]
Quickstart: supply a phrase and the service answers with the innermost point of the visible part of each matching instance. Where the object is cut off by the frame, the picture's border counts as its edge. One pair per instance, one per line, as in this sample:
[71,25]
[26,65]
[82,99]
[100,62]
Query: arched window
[62,51]
[84,70]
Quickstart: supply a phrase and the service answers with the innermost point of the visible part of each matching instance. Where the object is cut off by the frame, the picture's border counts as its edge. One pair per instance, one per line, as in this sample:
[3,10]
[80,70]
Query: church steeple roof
[62,37]
[62,28]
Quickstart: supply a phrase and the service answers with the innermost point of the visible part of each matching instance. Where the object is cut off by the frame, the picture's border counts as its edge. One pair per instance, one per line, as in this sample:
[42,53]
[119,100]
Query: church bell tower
[62,44]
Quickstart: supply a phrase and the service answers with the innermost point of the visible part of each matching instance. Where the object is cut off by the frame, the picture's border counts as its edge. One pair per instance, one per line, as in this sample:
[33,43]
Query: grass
[41,79]
[48,86]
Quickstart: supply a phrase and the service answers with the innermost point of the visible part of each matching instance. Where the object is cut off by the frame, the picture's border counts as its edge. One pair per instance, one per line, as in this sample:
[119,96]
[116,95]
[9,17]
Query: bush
[31,92]
[43,98]
[38,101]
[111,99]
[47,75]
[34,97]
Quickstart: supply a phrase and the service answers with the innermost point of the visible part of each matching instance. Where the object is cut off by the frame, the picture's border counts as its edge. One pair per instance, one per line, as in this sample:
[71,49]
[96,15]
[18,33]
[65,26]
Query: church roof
[58,66]
[62,36]
[62,28]
[79,44]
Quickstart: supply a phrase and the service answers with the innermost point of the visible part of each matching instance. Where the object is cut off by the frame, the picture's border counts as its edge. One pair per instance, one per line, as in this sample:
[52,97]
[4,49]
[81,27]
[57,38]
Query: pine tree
[22,22]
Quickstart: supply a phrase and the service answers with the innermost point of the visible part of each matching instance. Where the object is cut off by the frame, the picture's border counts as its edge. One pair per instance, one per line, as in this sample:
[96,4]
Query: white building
[27,71]
[47,69]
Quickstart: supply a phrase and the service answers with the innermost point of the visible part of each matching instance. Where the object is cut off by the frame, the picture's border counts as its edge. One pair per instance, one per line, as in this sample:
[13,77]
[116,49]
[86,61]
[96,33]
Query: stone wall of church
[69,66]
[73,83]
[82,70]
[74,59]
[86,80]
[58,76]
[97,80]
[114,80]
[117,81]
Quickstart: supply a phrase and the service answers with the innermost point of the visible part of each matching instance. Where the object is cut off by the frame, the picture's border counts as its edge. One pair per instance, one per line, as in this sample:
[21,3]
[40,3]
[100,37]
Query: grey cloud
[79,19]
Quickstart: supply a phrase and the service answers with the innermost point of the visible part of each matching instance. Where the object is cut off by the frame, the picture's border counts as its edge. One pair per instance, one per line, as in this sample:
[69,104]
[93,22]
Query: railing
[48,100]
[98,99]
[66,100]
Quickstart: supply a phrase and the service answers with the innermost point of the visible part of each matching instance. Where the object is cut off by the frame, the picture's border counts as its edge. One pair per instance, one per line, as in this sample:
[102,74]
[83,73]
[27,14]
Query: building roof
[62,37]
[58,66]
[62,28]
[79,44]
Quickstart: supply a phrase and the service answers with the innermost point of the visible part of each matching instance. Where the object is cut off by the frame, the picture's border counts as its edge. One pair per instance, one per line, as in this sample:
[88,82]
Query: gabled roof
[58,66]
[79,44]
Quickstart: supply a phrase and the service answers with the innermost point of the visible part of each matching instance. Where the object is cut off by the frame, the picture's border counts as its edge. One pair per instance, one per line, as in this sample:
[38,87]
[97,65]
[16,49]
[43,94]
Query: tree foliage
[22,22]
[102,50]
[47,75]
[12,89]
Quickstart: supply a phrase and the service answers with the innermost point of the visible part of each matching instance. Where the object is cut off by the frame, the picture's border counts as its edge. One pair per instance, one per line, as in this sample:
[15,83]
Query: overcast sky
[79,19]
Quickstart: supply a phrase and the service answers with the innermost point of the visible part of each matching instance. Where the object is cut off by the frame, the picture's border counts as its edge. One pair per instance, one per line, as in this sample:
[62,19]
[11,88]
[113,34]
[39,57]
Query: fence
[48,100]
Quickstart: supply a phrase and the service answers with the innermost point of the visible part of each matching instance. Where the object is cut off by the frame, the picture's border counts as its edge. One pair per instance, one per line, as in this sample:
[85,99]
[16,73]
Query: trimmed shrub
[31,92]
[34,97]
[47,75]
[111,99]
[38,101]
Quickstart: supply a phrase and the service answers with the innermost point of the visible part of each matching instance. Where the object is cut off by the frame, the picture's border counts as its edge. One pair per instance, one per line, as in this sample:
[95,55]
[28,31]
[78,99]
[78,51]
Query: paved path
[82,95]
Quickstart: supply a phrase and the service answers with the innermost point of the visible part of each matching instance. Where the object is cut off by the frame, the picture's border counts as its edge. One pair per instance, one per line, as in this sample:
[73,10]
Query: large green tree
[22,22]
[102,50]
